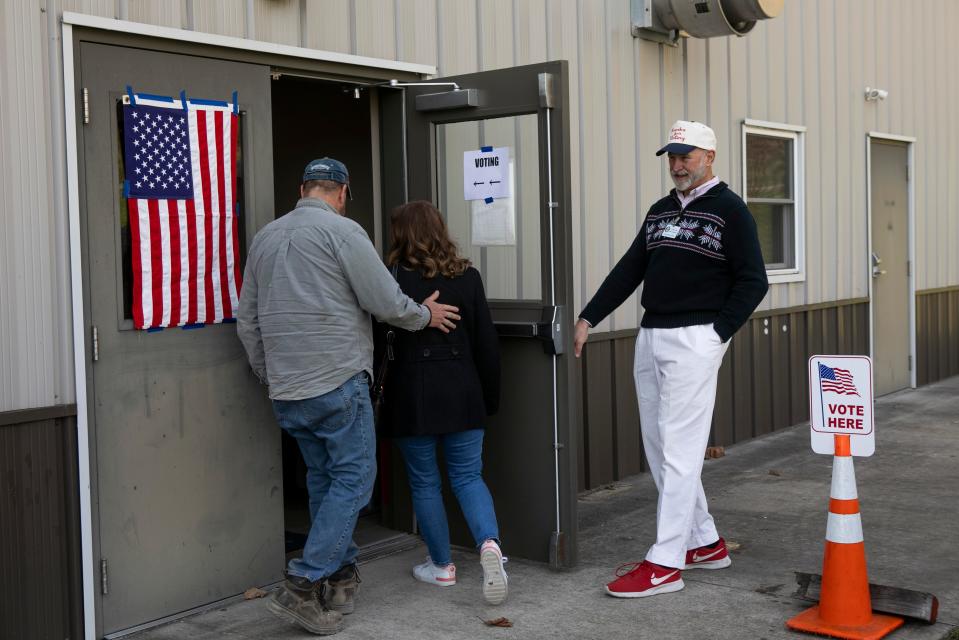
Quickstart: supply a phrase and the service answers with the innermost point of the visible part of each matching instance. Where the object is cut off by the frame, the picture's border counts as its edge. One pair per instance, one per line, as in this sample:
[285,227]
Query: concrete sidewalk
[768,495]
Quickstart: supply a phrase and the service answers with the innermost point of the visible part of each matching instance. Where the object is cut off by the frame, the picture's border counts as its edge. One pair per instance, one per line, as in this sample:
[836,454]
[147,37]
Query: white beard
[684,182]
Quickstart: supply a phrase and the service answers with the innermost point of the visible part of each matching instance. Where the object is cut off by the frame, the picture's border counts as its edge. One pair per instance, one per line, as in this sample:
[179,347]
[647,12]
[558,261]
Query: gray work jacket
[311,281]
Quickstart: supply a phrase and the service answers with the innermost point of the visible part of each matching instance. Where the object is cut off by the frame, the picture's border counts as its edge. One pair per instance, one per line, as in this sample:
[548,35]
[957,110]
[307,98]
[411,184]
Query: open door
[521,244]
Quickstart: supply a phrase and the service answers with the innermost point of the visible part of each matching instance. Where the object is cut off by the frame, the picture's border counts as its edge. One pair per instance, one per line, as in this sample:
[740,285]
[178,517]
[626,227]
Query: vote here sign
[840,402]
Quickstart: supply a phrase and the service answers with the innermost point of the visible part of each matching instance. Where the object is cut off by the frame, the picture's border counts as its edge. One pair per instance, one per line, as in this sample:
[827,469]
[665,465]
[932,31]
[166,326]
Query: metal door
[529,458]
[889,163]
[187,481]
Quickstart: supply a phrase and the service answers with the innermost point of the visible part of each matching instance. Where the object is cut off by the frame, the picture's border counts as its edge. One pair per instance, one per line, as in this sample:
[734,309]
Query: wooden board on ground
[895,600]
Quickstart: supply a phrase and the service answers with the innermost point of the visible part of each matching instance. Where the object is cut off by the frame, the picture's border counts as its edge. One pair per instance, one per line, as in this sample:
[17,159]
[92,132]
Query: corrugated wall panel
[375,27]
[329,25]
[102,8]
[495,33]
[38,559]
[593,164]
[457,34]
[222,17]
[808,67]
[276,21]
[621,143]
[811,109]
[562,43]
[416,35]
[30,319]
[529,31]
[170,13]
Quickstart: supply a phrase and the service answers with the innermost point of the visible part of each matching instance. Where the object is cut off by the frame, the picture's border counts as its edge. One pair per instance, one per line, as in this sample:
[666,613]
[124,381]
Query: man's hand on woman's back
[441,315]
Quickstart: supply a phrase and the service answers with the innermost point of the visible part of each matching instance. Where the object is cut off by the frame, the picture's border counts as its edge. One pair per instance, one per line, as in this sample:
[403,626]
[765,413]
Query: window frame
[796,133]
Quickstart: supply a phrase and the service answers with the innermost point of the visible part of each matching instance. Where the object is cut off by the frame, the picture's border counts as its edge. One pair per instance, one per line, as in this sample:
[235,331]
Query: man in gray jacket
[312,279]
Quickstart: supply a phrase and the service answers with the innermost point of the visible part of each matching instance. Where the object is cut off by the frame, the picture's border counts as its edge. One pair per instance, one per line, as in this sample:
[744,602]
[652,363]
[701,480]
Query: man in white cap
[698,255]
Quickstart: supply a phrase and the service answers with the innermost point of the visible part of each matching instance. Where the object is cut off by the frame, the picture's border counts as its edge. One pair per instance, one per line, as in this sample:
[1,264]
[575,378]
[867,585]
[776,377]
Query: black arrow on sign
[495,181]
[476,183]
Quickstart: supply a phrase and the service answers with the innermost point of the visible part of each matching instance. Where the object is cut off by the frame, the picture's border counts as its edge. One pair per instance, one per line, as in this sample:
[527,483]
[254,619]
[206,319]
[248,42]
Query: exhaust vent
[667,20]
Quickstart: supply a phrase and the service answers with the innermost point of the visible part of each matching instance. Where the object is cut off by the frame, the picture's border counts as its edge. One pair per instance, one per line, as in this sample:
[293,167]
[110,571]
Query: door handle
[549,329]
[876,261]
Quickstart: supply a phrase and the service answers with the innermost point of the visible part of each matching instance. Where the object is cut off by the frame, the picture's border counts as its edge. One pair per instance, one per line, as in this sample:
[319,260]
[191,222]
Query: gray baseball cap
[326,169]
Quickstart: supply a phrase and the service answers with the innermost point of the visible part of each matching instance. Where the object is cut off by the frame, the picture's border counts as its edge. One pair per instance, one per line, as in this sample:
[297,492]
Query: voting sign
[840,402]
[486,174]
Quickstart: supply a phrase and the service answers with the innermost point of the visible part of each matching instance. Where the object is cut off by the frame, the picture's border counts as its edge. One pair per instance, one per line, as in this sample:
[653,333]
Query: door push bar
[549,330]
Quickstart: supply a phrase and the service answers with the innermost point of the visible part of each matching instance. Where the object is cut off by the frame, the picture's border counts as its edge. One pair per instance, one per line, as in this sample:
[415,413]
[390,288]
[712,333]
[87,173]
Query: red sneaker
[644,579]
[708,557]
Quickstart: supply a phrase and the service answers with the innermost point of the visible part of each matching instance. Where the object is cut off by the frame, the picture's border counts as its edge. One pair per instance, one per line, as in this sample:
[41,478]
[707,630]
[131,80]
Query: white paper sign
[486,173]
[841,402]
[493,224]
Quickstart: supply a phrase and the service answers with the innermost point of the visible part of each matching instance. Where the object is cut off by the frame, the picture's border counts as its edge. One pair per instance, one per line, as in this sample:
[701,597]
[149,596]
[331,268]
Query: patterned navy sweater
[700,265]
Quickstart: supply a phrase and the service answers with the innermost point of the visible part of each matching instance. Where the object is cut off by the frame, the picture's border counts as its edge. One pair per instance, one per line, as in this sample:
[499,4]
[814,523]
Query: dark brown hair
[419,240]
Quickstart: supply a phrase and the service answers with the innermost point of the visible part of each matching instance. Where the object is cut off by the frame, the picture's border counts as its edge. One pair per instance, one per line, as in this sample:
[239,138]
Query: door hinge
[910,362]
[96,344]
[908,268]
[104,579]
[86,106]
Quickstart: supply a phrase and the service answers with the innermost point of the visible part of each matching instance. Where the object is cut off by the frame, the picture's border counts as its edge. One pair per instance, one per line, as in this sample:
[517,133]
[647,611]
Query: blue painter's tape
[209,103]
[183,99]
[133,97]
[488,201]
[197,325]
[154,329]
[236,103]
[150,96]
[486,149]
[229,320]
[126,188]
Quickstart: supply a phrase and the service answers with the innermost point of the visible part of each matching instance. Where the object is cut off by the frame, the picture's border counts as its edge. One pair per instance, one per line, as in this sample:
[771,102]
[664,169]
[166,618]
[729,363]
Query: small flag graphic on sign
[181,192]
[837,380]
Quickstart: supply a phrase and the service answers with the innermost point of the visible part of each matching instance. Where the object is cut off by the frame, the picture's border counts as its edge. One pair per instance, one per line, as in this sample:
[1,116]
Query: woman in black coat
[439,389]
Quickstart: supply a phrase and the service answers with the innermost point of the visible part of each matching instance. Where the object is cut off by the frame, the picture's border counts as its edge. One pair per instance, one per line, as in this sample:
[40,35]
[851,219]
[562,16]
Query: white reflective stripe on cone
[843,479]
[844,528]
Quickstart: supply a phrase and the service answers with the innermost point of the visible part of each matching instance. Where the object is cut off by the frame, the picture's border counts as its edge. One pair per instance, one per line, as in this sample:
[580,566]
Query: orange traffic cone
[844,609]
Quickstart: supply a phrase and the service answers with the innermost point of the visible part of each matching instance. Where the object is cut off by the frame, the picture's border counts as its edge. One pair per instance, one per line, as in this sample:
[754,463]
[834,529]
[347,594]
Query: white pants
[676,372]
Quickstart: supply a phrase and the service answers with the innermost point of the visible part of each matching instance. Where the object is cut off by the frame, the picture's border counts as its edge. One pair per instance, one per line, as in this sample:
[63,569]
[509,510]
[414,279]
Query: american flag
[181,194]
[837,380]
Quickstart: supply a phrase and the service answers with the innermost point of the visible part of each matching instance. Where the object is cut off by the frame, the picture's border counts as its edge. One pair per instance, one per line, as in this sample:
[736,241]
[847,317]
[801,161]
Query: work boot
[343,587]
[302,601]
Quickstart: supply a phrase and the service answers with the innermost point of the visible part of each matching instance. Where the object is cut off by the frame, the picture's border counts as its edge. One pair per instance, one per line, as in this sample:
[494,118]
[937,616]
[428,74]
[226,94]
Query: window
[773,188]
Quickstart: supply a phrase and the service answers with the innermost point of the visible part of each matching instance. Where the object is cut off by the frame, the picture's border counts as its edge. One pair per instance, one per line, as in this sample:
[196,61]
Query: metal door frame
[555,252]
[910,142]
[345,67]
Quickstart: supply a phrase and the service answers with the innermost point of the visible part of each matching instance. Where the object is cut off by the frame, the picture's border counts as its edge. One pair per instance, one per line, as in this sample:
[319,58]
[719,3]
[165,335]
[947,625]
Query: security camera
[875,94]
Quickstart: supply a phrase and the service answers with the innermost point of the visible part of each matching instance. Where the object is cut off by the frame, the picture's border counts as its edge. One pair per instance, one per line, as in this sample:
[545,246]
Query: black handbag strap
[390,335]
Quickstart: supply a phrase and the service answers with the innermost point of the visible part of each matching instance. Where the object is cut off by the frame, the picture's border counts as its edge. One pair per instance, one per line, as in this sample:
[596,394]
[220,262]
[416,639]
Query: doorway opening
[314,118]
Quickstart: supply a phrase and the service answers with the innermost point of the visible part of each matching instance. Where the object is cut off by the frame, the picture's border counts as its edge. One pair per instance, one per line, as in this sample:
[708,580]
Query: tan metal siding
[808,67]
[30,317]
[329,26]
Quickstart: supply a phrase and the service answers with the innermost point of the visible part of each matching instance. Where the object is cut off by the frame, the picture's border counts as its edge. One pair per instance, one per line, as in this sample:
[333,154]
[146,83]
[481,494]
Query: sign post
[840,403]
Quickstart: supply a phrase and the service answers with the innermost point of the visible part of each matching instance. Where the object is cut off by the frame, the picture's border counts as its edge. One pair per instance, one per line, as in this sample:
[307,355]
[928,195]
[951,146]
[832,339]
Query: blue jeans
[336,436]
[464,464]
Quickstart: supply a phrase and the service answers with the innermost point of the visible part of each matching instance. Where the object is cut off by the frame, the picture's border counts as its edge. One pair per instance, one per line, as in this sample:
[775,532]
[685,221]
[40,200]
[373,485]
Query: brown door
[186,451]
[890,265]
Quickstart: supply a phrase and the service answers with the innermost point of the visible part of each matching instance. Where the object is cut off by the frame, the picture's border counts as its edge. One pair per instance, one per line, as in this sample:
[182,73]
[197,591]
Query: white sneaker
[434,574]
[494,575]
